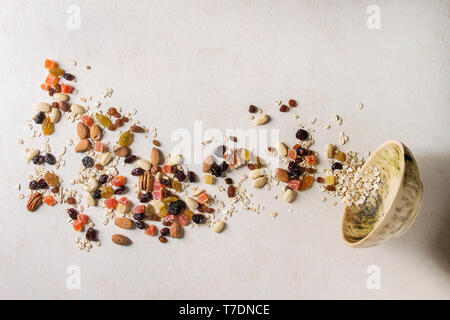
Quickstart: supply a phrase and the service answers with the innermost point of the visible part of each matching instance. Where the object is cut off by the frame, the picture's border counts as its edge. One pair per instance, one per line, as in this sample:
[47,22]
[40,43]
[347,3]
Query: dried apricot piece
[82,218]
[77,226]
[306,183]
[203,197]
[151,230]
[65,88]
[111,203]
[48,64]
[310,160]
[126,139]
[49,200]
[118,181]
[51,80]
[87,120]
[47,126]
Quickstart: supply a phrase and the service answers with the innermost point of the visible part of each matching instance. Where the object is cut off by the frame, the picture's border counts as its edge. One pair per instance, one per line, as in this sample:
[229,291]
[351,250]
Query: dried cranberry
[252,109]
[165,231]
[39,117]
[130,159]
[141,225]
[42,184]
[33,185]
[228,181]
[220,151]
[216,170]
[146,197]
[73,214]
[336,166]
[68,76]
[179,174]
[292,103]
[121,190]
[88,162]
[301,134]
[139,216]
[198,218]
[97,194]
[284,108]
[103,179]
[91,234]
[50,159]
[192,176]
[176,207]
[137,172]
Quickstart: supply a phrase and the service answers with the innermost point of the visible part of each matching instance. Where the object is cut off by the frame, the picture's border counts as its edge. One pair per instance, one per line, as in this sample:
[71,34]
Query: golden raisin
[126,139]
[306,183]
[47,127]
[104,120]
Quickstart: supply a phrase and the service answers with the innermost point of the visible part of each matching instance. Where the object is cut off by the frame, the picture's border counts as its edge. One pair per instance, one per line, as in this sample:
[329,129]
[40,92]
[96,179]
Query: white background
[180,61]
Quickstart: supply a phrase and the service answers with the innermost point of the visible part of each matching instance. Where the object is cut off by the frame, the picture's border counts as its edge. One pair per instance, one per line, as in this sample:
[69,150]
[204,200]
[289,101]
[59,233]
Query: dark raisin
[284,108]
[42,184]
[121,190]
[165,231]
[68,76]
[198,218]
[320,180]
[176,207]
[179,174]
[162,239]
[310,170]
[210,210]
[40,159]
[130,159]
[216,170]
[33,185]
[54,190]
[165,182]
[295,173]
[228,181]
[192,176]
[91,234]
[73,214]
[220,151]
[51,91]
[50,159]
[39,117]
[336,166]
[292,103]
[97,194]
[301,134]
[292,165]
[231,191]
[55,104]
[146,197]
[167,223]
[252,109]
[139,216]
[302,152]
[141,225]
[103,179]
[88,162]
[137,172]
[224,166]
[330,188]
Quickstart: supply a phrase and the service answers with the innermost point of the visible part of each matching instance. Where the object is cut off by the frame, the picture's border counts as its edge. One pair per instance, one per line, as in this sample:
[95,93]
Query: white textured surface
[177,61]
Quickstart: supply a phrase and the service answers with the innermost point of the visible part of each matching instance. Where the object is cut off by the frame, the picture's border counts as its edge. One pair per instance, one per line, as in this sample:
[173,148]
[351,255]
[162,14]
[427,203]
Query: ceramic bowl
[390,212]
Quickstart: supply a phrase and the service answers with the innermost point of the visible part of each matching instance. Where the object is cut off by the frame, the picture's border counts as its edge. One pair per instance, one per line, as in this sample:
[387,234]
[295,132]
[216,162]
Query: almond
[261,119]
[176,230]
[83,145]
[282,175]
[82,130]
[34,202]
[120,239]
[95,132]
[155,156]
[218,227]
[123,223]
[121,151]
[136,129]
[207,164]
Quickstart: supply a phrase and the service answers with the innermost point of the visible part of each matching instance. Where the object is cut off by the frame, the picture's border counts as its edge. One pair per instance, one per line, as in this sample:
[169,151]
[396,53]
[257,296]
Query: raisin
[112,127]
[301,134]
[228,181]
[57,88]
[165,182]
[118,123]
[224,166]
[252,109]
[292,103]
[68,76]
[180,175]
[137,172]
[292,165]
[336,166]
[91,234]
[301,152]
[111,111]
[165,231]
[176,207]
[216,170]
[139,216]
[320,180]
[104,120]
[162,239]
[210,210]
[231,191]
[192,176]
[103,179]
[71,200]
[51,91]
[42,184]
[39,117]
[146,197]
[106,192]
[40,159]
[73,214]
[126,139]
[198,218]
[97,194]
[47,127]
[130,159]
[33,185]
[167,223]
[284,108]
[220,151]
[55,189]
[141,225]
[121,190]
[88,162]
[50,159]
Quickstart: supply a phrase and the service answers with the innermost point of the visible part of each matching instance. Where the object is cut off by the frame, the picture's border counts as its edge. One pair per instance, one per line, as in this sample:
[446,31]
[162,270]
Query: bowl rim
[366,164]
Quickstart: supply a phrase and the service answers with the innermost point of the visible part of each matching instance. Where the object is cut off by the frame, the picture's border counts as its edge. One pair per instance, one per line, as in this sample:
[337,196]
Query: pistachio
[288,195]
[261,119]
[256,173]
[55,115]
[282,149]
[105,158]
[260,182]
[59,96]
[42,106]
[77,109]
[31,154]
[192,203]
[218,227]
[91,185]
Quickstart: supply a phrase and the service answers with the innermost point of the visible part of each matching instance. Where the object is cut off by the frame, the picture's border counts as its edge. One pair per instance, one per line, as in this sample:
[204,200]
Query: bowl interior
[359,222]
